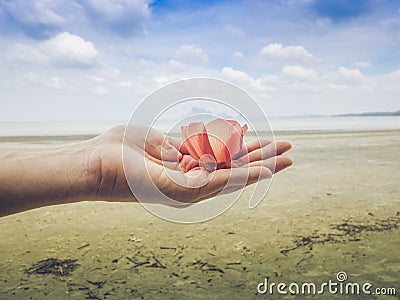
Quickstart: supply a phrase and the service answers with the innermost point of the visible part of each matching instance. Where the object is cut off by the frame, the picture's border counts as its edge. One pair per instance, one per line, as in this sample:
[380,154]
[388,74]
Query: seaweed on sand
[354,229]
[53,266]
[343,232]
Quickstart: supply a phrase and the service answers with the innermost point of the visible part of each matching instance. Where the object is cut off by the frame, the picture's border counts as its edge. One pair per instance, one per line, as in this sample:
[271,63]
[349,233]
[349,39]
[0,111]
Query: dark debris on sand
[53,266]
[354,229]
[344,232]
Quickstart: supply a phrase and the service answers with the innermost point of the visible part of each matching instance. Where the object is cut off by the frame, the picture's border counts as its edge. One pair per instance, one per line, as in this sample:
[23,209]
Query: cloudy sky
[96,59]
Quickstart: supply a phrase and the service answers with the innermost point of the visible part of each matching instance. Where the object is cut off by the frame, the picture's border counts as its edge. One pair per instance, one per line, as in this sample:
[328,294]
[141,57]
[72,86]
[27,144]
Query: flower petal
[235,143]
[226,139]
[196,140]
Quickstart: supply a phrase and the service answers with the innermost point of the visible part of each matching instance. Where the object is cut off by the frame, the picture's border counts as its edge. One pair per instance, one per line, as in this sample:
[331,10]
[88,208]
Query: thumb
[169,152]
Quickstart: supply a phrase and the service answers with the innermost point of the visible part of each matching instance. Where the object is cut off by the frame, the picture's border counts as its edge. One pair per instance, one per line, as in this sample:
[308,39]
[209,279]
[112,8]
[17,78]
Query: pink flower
[214,145]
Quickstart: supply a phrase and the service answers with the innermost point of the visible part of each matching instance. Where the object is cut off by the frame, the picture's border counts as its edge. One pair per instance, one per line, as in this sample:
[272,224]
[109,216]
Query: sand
[337,209]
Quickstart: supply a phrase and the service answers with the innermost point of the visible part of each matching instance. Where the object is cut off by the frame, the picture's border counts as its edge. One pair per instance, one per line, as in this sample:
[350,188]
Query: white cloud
[236,75]
[240,77]
[303,66]
[299,72]
[238,55]
[351,74]
[299,78]
[64,49]
[42,18]
[54,82]
[176,65]
[192,53]
[114,9]
[126,84]
[163,79]
[57,82]
[389,82]
[34,12]
[70,50]
[96,78]
[393,75]
[361,65]
[144,62]
[26,54]
[100,90]
[115,72]
[122,16]
[286,54]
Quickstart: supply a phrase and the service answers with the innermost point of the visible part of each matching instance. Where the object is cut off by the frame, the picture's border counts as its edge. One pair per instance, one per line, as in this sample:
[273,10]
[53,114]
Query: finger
[169,152]
[234,177]
[266,152]
[156,144]
[187,163]
[177,143]
[160,150]
[282,162]
[168,164]
[275,164]
[240,178]
[257,174]
[252,145]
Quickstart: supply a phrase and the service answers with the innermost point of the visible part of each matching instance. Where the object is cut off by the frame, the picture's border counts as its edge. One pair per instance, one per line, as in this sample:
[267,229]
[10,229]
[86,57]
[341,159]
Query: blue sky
[96,59]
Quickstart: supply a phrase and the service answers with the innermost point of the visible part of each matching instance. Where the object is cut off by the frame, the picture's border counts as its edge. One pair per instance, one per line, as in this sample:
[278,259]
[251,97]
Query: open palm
[145,160]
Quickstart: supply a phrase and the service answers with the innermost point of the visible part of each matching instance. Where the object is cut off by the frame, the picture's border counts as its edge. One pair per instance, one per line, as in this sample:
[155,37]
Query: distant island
[371,114]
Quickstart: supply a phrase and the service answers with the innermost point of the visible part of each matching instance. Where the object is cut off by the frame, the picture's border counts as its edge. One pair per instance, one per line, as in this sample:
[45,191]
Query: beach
[337,209]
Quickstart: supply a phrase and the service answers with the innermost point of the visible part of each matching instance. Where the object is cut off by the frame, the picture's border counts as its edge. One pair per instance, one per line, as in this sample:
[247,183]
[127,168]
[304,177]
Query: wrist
[32,177]
[83,167]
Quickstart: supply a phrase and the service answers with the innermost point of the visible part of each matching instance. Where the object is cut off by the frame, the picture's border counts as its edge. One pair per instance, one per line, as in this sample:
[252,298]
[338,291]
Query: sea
[67,128]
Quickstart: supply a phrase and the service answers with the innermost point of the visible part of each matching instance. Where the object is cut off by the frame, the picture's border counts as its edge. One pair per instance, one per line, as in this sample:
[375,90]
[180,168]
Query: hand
[159,157]
[32,177]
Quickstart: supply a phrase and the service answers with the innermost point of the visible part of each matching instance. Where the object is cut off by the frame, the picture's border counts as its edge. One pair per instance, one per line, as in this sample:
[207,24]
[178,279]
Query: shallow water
[70,128]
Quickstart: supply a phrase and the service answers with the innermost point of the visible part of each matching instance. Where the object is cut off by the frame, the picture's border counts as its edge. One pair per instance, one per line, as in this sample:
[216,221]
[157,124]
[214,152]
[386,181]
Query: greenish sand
[337,209]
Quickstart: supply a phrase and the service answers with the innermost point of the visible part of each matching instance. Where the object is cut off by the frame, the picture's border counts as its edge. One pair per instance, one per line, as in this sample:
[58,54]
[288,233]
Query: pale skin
[92,170]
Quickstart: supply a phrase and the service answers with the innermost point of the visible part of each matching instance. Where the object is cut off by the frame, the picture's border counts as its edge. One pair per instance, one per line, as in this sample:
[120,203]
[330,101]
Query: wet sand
[337,209]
